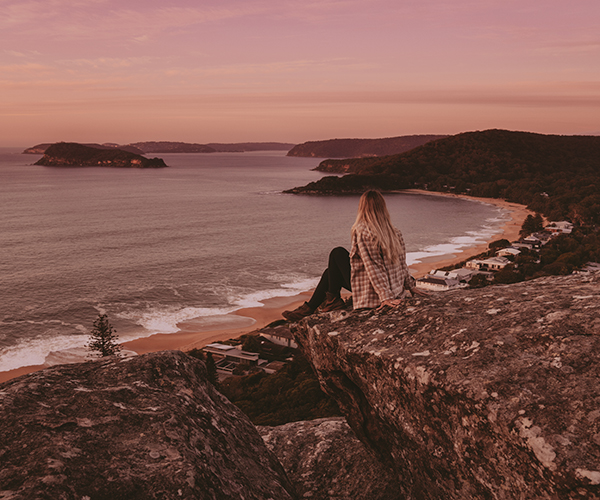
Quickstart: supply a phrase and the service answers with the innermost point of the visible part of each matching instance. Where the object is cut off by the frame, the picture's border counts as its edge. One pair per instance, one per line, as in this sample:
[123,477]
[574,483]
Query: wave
[32,352]
[458,244]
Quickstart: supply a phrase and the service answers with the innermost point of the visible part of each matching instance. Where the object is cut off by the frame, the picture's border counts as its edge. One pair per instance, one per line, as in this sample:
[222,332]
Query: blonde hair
[373,212]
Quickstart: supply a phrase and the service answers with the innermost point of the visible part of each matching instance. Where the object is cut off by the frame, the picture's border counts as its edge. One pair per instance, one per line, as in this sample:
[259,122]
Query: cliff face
[145,427]
[490,393]
[325,460]
[68,154]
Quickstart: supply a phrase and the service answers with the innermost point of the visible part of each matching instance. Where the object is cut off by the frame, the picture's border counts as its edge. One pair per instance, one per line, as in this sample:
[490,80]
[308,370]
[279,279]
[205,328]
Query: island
[40,149]
[153,147]
[71,154]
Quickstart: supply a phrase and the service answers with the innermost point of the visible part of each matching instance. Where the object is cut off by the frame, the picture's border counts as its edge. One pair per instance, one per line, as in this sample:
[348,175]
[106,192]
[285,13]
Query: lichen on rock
[465,403]
[146,427]
[325,461]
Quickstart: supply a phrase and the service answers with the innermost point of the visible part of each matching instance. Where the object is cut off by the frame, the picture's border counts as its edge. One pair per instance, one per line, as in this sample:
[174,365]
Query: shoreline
[190,336]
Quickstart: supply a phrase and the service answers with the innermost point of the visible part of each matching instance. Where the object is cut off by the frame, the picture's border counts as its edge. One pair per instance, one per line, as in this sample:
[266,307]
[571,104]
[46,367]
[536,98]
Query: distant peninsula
[40,149]
[179,147]
[361,148]
[185,147]
[71,154]
[557,176]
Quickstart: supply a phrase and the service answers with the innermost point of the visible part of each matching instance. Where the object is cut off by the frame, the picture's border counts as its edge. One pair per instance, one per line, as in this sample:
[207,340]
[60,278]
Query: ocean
[151,248]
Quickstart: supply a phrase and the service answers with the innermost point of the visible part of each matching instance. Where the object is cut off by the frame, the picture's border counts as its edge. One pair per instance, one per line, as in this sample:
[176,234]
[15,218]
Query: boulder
[325,461]
[144,427]
[479,394]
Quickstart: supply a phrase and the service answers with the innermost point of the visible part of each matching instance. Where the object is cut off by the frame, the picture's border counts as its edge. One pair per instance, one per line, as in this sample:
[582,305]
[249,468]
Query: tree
[498,244]
[532,224]
[104,338]
[478,281]
[211,369]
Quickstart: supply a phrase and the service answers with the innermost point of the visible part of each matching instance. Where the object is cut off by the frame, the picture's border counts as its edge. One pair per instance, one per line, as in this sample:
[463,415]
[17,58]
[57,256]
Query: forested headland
[557,176]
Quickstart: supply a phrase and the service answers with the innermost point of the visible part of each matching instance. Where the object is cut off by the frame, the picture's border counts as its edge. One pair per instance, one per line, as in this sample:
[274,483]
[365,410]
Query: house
[462,274]
[491,264]
[508,252]
[227,357]
[439,284]
[561,227]
[543,236]
[280,335]
[522,244]
[532,240]
[590,267]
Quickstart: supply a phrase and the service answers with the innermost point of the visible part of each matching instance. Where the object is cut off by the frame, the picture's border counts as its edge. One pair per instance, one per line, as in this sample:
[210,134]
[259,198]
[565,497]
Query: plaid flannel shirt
[374,278]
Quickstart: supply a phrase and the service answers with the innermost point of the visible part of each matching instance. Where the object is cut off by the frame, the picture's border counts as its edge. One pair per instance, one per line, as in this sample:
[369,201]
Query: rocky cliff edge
[145,427]
[483,394]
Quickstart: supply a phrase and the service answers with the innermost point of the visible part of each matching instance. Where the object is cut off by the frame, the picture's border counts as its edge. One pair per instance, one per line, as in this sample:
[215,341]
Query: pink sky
[274,70]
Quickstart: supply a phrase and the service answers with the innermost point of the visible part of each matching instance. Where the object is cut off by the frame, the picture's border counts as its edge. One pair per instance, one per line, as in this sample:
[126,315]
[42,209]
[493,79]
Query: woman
[375,270]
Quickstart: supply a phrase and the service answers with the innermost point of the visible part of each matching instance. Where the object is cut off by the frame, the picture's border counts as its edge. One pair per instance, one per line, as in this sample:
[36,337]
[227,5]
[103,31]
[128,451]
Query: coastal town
[481,271]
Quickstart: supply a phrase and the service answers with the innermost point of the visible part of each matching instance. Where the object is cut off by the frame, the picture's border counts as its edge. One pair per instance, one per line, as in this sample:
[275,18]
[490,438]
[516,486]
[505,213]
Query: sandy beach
[250,319]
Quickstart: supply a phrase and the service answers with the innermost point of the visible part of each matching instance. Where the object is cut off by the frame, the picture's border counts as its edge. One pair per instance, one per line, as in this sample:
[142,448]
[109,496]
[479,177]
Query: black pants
[334,278]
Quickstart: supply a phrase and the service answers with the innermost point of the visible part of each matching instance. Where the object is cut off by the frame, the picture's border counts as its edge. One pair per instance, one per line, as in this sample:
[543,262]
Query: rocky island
[70,154]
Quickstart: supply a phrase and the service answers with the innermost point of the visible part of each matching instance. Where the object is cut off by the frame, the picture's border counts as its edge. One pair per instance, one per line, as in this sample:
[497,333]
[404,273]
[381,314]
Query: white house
[279,335]
[508,252]
[563,227]
[491,264]
[462,274]
[438,284]
[227,357]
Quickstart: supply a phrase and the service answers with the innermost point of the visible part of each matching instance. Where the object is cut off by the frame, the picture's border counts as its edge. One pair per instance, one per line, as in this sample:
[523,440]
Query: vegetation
[291,394]
[557,176]
[355,148]
[103,337]
[209,361]
[74,154]
[561,255]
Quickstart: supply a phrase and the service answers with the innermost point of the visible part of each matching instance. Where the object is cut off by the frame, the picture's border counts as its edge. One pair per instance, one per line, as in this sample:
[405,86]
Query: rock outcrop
[145,427]
[482,394]
[71,154]
[325,461]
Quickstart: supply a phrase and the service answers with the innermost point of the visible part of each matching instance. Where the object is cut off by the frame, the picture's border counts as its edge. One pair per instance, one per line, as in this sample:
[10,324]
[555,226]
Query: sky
[274,70]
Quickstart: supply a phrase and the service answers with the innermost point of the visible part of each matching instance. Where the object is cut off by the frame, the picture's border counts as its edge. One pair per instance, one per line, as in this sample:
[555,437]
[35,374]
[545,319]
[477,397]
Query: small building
[508,252]
[590,267]
[491,264]
[560,227]
[227,357]
[280,335]
[462,274]
[439,284]
[543,236]
[532,240]
[522,244]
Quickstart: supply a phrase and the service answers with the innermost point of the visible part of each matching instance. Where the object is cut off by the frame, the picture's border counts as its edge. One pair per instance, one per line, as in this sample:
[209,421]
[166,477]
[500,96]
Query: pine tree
[532,224]
[104,338]
[211,369]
